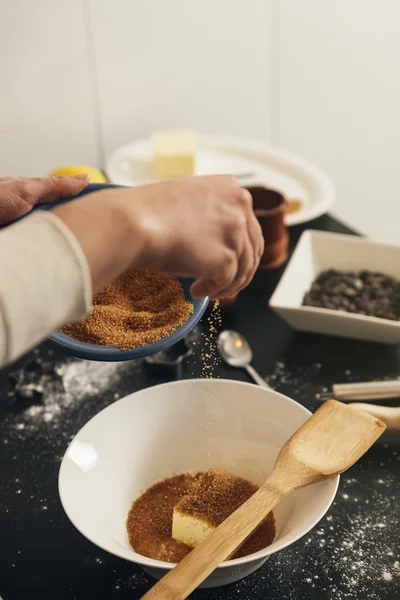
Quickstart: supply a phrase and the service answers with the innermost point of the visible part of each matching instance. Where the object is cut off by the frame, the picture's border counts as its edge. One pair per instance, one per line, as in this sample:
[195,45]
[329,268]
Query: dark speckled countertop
[353,553]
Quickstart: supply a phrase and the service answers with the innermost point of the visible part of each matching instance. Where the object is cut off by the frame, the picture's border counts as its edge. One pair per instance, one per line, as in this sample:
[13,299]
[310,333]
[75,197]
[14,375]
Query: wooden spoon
[388,414]
[330,442]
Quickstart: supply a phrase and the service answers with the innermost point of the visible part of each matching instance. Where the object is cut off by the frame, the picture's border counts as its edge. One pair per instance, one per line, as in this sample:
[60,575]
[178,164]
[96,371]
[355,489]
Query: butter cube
[174,153]
[216,496]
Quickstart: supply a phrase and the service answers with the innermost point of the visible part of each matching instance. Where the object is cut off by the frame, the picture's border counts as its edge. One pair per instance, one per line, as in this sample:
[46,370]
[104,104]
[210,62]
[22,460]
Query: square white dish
[318,251]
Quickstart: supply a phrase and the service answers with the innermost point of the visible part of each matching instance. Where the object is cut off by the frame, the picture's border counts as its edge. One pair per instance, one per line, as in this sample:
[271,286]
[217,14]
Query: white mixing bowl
[174,428]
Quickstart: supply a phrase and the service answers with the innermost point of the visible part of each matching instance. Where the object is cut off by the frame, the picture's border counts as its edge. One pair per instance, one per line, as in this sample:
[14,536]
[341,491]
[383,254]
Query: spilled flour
[48,393]
[78,380]
[363,546]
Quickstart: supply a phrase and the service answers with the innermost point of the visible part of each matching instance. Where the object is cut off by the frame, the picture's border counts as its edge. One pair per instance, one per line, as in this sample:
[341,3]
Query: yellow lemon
[96,176]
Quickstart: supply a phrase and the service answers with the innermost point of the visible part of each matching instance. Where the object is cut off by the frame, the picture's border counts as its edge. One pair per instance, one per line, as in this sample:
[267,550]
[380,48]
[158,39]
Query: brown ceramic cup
[269,207]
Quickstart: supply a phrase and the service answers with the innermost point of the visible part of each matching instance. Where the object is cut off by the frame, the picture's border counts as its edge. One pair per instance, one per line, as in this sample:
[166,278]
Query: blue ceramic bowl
[109,353]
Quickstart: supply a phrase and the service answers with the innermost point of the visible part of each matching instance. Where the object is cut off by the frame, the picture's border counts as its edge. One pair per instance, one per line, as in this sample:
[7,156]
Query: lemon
[96,176]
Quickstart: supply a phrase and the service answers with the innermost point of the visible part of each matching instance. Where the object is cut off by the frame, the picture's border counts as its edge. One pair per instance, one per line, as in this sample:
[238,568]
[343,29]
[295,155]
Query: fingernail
[82,176]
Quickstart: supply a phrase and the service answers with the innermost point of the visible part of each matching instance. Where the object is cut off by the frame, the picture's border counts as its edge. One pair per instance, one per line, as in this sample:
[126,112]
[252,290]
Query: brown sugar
[139,308]
[217,496]
[149,523]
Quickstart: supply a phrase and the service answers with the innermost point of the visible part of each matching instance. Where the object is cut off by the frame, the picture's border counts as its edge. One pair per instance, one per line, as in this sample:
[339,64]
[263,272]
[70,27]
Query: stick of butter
[207,504]
[174,153]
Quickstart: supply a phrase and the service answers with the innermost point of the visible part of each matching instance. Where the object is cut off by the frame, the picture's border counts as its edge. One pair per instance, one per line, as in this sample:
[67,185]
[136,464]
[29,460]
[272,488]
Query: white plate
[295,178]
[318,251]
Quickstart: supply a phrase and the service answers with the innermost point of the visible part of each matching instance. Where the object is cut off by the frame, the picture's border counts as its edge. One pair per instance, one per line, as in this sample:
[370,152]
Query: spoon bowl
[235,350]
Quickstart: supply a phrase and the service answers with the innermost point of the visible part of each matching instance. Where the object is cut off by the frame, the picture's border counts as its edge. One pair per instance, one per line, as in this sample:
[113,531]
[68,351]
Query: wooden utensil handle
[388,414]
[196,566]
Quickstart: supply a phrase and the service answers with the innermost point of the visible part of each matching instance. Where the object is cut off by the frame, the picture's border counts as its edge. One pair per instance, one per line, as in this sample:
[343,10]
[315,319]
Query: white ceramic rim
[159,564]
[325,189]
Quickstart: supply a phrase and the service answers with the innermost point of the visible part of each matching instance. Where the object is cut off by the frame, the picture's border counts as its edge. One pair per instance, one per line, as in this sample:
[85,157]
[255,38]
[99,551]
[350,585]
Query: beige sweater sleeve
[44,282]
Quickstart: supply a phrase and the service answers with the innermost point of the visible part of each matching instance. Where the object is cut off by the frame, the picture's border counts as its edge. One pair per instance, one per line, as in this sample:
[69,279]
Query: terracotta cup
[269,207]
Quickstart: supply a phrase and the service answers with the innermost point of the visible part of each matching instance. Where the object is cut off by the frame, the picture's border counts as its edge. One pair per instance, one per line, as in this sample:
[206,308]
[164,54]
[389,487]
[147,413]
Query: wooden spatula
[330,442]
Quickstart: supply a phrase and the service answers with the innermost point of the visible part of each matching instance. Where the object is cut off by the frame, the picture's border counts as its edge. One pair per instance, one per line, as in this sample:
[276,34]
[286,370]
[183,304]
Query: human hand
[200,227]
[18,195]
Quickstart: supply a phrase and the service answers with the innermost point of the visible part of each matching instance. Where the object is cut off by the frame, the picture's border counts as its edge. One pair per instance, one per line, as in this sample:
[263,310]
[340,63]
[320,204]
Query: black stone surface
[351,553]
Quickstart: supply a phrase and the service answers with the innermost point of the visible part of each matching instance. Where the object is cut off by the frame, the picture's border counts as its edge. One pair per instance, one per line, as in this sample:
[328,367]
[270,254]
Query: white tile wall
[180,63]
[45,88]
[79,78]
[340,102]
[37,148]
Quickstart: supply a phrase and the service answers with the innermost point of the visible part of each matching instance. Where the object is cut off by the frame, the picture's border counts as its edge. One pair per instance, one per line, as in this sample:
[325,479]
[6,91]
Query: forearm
[109,238]
[52,262]
[44,283]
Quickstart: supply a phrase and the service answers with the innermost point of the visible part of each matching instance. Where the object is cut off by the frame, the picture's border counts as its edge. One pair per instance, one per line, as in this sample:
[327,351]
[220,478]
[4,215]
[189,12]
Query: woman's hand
[201,227]
[18,195]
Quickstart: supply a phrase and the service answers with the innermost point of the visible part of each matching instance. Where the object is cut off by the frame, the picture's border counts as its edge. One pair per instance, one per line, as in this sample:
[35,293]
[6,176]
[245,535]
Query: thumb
[50,189]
